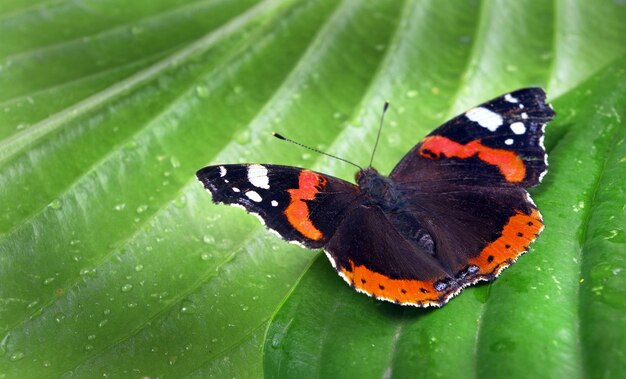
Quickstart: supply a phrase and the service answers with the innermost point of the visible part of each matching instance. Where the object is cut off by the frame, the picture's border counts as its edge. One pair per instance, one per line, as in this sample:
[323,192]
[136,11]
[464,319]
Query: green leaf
[550,315]
[114,262]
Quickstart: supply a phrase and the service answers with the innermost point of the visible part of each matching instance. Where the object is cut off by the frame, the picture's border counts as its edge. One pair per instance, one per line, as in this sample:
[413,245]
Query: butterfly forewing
[300,205]
[499,142]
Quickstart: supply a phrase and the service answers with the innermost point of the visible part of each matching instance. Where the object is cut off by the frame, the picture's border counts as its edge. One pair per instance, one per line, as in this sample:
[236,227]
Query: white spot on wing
[252,195]
[274,203]
[222,171]
[509,141]
[510,98]
[518,128]
[485,118]
[257,175]
[524,115]
[236,189]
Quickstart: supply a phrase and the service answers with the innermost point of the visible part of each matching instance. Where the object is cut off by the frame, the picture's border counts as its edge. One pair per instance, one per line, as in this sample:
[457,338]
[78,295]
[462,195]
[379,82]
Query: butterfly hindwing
[302,206]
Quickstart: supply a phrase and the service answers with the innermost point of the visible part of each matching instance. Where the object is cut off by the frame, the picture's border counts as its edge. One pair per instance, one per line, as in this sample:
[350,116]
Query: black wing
[499,142]
[300,205]
[465,184]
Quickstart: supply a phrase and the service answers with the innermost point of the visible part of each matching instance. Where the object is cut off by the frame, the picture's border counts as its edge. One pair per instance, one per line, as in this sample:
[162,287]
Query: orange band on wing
[297,212]
[508,162]
[399,290]
[518,233]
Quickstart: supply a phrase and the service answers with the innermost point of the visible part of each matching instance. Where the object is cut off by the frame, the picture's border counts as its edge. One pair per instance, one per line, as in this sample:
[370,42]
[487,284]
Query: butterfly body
[454,210]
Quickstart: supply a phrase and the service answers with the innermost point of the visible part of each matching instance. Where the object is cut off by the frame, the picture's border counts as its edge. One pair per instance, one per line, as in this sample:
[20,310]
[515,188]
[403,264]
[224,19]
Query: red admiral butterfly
[454,210]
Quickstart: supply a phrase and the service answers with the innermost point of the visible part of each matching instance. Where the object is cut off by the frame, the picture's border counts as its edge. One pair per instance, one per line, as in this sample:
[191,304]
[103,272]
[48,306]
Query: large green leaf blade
[114,262]
[526,323]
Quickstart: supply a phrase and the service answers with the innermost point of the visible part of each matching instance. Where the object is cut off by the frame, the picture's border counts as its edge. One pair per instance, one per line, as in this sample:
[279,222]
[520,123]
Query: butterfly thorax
[378,189]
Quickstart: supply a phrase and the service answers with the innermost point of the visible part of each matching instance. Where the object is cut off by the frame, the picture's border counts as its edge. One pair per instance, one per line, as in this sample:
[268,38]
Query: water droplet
[243,137]
[172,361]
[412,93]
[214,340]
[188,347]
[32,304]
[59,317]
[393,139]
[103,322]
[46,364]
[244,307]
[205,256]
[48,281]
[255,297]
[175,162]
[119,207]
[209,240]
[276,341]
[16,356]
[76,258]
[180,201]
[91,337]
[138,267]
[142,208]
[131,305]
[88,347]
[126,287]
[55,204]
[306,156]
[202,91]
[187,307]
[106,312]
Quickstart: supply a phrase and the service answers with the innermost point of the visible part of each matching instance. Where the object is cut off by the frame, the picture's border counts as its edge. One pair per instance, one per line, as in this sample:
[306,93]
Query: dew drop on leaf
[180,201]
[16,356]
[202,91]
[55,204]
[243,137]
[58,317]
[411,93]
[187,307]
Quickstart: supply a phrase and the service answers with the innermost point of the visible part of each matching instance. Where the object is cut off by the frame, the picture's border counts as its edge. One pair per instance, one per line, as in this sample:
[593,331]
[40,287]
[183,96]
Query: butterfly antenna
[380,128]
[316,150]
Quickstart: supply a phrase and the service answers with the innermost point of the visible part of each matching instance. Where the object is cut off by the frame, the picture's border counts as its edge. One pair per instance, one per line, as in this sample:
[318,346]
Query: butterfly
[454,211]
